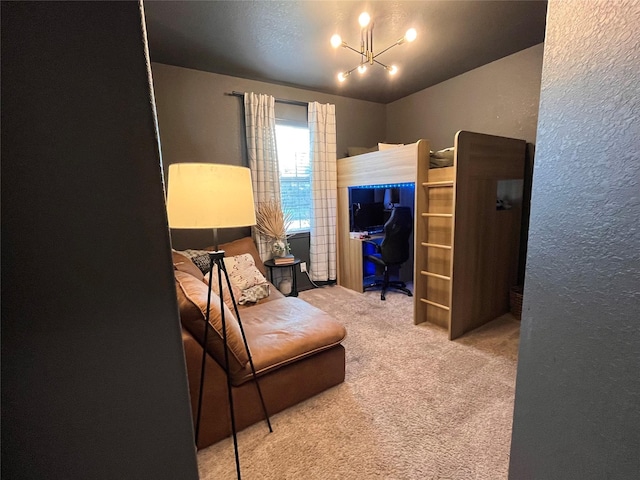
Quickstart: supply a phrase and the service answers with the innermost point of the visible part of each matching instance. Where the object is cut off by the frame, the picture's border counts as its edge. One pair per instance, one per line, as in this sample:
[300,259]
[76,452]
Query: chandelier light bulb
[366,52]
[364,19]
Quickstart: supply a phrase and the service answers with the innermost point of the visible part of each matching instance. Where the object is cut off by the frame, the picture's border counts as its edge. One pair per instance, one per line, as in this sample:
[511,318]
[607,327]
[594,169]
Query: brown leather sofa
[296,349]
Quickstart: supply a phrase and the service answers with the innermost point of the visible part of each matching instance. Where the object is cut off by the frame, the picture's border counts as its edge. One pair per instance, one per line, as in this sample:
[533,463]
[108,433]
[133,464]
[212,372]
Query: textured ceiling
[288,42]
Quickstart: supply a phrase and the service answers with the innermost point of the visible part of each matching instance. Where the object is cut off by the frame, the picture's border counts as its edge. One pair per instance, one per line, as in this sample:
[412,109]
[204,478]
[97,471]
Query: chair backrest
[394,248]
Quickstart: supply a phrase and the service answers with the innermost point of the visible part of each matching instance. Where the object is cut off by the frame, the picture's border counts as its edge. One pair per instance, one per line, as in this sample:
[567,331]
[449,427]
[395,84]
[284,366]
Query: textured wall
[500,98]
[93,375]
[577,409]
[199,123]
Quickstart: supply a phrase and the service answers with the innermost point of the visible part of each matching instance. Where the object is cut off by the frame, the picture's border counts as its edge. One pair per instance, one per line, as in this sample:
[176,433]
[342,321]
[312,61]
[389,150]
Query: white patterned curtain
[324,191]
[260,122]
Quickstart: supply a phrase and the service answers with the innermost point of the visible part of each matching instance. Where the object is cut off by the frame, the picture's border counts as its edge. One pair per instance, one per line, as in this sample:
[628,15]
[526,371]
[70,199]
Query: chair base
[386,285]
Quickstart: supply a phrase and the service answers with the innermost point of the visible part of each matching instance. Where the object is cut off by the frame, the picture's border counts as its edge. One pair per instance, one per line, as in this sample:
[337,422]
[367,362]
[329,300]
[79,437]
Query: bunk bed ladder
[427,273]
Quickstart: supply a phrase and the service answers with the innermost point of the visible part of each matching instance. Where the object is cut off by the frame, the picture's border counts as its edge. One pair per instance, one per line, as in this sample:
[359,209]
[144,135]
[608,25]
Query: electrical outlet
[303,267]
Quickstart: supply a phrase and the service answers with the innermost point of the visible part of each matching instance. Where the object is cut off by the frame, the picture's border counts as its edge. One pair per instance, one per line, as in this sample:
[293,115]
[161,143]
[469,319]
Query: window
[295,174]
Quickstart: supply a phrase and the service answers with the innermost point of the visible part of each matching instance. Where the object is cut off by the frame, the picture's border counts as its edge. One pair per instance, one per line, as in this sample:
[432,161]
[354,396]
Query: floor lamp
[212,196]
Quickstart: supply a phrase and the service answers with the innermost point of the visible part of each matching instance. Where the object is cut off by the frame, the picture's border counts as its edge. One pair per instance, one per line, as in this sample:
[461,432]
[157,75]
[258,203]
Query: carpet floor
[414,405]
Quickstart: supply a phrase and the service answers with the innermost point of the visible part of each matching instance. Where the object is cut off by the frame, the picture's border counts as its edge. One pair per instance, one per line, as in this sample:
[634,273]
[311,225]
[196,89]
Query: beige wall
[500,98]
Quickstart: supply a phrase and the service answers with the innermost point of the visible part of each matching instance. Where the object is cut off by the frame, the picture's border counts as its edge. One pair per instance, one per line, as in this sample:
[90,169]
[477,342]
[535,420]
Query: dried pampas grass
[271,220]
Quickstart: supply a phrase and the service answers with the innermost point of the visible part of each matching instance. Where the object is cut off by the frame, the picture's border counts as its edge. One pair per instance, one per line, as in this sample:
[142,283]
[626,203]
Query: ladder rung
[435,275]
[441,215]
[447,183]
[436,245]
[429,302]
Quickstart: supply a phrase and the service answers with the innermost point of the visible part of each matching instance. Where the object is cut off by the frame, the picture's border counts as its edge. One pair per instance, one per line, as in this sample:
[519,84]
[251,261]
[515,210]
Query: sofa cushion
[240,246]
[184,264]
[283,331]
[192,302]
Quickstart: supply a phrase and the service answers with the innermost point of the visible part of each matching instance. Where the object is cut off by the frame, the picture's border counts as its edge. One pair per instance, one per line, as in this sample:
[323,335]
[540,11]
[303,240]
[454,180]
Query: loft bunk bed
[466,242]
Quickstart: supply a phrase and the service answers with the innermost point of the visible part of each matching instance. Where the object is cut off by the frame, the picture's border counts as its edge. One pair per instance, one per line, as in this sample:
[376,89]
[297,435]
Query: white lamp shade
[209,195]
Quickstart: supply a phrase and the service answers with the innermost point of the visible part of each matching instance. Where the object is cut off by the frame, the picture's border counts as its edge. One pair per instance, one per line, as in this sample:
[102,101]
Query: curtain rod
[279,100]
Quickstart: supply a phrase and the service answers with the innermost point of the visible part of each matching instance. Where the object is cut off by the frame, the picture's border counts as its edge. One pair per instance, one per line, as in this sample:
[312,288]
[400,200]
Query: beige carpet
[414,405]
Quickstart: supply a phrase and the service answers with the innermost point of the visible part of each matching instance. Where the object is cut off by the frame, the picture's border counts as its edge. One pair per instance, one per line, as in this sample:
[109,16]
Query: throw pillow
[240,246]
[184,264]
[253,294]
[199,257]
[244,277]
[226,295]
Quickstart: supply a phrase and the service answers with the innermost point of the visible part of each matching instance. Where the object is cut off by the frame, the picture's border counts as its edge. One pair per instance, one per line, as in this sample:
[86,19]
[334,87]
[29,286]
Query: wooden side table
[271,265]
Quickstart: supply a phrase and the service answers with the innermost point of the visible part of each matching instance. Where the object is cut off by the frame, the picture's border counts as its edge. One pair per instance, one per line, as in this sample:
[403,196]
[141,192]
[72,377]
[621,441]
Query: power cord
[312,282]
[303,269]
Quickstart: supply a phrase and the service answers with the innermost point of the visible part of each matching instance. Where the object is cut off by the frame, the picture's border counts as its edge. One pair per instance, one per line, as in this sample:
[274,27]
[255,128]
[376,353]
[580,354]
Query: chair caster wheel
[410,294]
[382,297]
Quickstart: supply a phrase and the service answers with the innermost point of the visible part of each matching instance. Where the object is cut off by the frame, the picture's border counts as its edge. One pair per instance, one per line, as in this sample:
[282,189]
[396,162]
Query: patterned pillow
[247,282]
[253,294]
[200,258]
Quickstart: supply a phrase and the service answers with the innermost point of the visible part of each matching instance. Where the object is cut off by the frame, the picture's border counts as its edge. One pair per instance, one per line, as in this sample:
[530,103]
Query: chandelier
[367,55]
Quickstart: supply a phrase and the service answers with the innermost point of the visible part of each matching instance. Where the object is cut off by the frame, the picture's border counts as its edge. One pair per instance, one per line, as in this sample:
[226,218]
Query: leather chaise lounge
[296,349]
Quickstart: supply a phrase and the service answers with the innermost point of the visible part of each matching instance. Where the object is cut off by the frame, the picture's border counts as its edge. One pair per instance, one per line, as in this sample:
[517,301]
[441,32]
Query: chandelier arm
[381,64]
[366,52]
[351,48]
[349,72]
[386,49]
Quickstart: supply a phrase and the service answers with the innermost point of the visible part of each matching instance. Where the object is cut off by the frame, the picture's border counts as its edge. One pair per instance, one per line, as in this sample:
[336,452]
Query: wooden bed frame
[465,251]
[397,165]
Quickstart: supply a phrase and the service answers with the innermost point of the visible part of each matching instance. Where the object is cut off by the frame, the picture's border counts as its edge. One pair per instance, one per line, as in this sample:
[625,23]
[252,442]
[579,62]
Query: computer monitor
[371,205]
[368,217]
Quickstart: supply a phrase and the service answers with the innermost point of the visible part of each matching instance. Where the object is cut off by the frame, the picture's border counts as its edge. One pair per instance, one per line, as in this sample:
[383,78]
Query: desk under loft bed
[465,247]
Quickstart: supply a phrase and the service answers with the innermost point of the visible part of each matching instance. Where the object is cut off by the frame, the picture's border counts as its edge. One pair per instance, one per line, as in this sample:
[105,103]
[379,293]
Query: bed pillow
[353,151]
[247,282]
[389,146]
[447,153]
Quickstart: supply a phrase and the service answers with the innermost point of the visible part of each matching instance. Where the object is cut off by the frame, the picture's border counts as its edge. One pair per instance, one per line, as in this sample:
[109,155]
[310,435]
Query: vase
[279,248]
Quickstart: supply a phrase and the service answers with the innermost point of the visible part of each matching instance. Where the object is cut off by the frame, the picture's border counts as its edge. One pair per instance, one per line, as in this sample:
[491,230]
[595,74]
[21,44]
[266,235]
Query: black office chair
[393,251]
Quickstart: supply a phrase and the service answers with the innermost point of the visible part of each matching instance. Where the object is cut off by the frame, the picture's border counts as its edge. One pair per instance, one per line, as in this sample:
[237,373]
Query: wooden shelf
[437,215]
